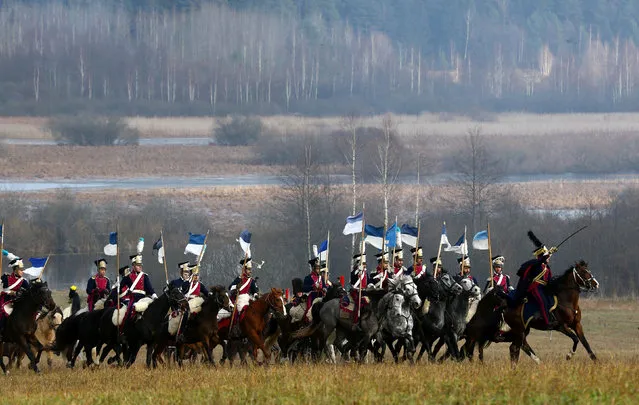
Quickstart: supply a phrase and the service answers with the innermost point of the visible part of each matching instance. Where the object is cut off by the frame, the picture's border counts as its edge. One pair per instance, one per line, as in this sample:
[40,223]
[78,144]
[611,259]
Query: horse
[146,326]
[21,325]
[252,321]
[88,335]
[201,328]
[456,315]
[567,289]
[396,319]
[433,322]
[486,322]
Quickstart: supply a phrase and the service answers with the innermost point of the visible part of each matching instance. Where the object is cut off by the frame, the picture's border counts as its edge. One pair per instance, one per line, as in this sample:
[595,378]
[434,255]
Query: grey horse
[395,316]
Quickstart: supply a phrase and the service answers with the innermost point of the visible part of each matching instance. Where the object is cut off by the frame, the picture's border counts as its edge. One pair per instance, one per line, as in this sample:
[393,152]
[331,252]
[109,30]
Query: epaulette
[93,278]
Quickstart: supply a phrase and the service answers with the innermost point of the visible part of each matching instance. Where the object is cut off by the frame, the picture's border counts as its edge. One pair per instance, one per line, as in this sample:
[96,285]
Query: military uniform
[499,279]
[137,284]
[399,270]
[243,288]
[12,283]
[98,286]
[464,263]
[314,285]
[359,281]
[380,278]
[534,275]
[417,270]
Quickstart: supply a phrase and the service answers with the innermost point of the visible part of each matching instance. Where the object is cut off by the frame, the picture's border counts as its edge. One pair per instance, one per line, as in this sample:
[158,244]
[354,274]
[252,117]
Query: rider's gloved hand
[553,250]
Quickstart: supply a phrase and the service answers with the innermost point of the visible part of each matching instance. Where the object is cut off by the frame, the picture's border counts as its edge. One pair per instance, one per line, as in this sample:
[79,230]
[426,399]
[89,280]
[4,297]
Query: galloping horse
[566,288]
[21,325]
[252,322]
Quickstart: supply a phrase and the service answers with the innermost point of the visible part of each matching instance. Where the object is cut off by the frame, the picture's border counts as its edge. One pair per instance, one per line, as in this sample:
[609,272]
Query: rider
[381,271]
[418,270]
[314,284]
[437,266]
[533,278]
[196,288]
[464,270]
[499,279]
[359,281]
[243,289]
[398,265]
[11,284]
[74,299]
[99,285]
[137,284]
[183,281]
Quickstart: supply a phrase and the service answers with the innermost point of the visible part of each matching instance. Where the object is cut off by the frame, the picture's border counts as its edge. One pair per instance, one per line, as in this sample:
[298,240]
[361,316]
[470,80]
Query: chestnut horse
[253,323]
[567,288]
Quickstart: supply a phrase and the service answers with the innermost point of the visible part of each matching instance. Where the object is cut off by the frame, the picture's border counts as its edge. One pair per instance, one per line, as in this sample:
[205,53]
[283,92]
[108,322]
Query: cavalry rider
[464,270]
[196,288]
[184,280]
[499,280]
[381,271]
[137,285]
[74,299]
[437,266]
[398,265]
[359,281]
[314,284]
[243,289]
[533,278]
[11,284]
[99,285]
[124,273]
[417,269]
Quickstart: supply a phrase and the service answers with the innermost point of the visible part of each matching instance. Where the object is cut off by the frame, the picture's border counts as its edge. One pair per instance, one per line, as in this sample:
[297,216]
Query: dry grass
[611,327]
[423,124]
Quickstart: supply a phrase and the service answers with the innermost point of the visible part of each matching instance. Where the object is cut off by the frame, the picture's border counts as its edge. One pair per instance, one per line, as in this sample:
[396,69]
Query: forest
[317,57]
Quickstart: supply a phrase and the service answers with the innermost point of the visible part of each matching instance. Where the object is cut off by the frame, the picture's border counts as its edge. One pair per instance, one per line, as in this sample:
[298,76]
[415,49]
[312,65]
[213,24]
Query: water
[142,141]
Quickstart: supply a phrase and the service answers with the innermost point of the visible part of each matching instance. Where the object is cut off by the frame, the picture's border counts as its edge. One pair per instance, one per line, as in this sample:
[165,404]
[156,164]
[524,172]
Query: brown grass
[423,124]
[611,327]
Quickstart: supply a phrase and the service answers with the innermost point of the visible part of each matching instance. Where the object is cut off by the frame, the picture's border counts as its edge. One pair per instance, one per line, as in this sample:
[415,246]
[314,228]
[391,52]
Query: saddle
[195,305]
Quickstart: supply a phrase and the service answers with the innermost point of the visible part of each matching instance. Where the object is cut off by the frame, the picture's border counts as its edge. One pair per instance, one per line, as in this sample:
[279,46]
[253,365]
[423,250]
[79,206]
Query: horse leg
[573,336]
[49,359]
[530,352]
[149,354]
[179,352]
[580,332]
[515,347]
[409,348]
[4,368]
[24,345]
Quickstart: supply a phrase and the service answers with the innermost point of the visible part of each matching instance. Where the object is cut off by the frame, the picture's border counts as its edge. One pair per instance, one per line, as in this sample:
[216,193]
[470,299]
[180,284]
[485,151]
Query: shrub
[238,131]
[88,130]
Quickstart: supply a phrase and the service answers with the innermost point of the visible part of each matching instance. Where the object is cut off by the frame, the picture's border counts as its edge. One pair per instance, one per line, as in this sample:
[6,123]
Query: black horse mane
[554,282]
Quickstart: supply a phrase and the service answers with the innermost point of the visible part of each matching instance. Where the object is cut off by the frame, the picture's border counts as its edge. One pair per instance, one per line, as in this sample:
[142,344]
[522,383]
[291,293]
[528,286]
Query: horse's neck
[211,306]
[260,306]
[157,309]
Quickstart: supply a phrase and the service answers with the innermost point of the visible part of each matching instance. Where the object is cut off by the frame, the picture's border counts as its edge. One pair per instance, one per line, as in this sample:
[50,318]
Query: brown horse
[566,288]
[252,323]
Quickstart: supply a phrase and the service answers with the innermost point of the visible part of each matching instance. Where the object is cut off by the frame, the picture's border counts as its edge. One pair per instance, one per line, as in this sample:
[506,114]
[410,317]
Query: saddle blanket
[531,310]
[225,322]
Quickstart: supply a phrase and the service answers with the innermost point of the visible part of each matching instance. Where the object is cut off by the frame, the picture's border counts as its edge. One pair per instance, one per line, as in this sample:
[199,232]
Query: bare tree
[477,180]
[389,162]
[351,124]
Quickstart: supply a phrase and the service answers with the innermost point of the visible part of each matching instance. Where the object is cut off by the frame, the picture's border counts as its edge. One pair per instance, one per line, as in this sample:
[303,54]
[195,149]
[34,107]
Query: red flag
[341,281]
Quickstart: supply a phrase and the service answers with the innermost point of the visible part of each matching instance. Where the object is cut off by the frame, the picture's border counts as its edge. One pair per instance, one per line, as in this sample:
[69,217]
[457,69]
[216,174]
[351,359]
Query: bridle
[584,284]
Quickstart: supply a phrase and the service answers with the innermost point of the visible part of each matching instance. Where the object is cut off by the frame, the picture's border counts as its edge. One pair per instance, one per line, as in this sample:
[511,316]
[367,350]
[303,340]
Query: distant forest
[316,57]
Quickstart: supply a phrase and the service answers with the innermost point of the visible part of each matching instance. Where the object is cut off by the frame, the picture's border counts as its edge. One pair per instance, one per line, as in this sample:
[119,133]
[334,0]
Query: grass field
[611,327]
[423,124]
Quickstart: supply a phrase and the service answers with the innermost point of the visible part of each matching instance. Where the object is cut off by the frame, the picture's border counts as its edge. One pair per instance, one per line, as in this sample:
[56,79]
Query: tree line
[219,57]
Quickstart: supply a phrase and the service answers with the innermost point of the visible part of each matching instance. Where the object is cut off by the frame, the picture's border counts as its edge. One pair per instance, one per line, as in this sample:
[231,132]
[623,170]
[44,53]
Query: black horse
[144,328]
[21,325]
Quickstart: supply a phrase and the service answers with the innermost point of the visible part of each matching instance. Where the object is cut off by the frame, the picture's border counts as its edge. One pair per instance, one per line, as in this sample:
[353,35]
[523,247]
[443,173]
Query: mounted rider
[534,275]
[436,262]
[359,281]
[98,286]
[315,284]
[464,270]
[196,288]
[399,270]
[417,269]
[184,280]
[380,279]
[499,280]
[12,284]
[243,289]
[137,284]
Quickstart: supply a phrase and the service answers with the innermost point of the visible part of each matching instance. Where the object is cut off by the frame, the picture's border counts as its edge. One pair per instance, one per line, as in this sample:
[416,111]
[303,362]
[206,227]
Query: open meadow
[610,326]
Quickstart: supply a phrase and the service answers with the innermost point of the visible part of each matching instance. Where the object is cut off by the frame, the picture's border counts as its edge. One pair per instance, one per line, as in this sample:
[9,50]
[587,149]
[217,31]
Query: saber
[571,235]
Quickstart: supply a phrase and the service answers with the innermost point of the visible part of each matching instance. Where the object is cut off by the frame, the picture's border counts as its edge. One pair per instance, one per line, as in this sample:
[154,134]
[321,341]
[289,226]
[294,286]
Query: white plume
[11,256]
[259,265]
[140,245]
[315,251]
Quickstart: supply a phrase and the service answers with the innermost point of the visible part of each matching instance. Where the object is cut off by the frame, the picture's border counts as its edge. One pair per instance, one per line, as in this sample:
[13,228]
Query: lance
[166,271]
[117,265]
[237,292]
[490,256]
[199,260]
[439,252]
[43,267]
[328,248]
[362,253]
[1,243]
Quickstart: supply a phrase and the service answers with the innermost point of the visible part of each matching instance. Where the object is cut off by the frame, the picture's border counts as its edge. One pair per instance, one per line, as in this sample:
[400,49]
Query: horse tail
[306,332]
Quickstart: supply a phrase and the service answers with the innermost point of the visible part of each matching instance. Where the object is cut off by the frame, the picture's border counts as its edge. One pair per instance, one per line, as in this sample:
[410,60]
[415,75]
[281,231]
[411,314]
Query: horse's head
[428,288]
[220,297]
[275,301]
[448,285]
[41,295]
[409,290]
[176,296]
[54,318]
[583,277]
[334,291]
